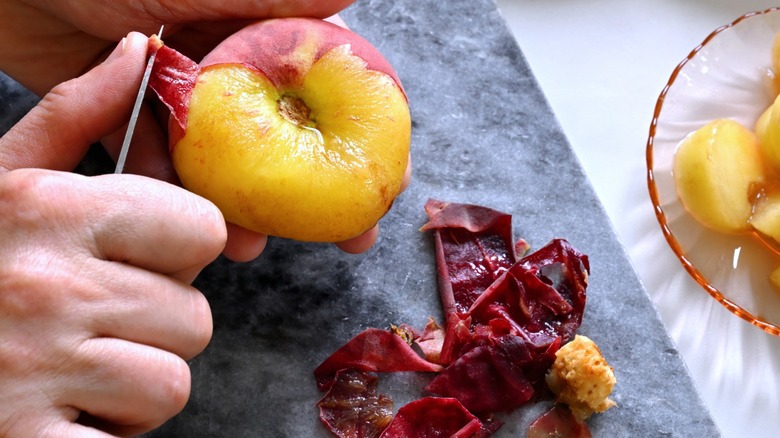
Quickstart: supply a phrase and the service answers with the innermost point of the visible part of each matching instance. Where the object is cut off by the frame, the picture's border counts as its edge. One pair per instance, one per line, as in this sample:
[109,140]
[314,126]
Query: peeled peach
[293,127]
[716,170]
[766,215]
[768,133]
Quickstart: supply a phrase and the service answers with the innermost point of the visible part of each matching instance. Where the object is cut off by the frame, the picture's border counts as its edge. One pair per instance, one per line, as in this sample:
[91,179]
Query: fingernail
[118,51]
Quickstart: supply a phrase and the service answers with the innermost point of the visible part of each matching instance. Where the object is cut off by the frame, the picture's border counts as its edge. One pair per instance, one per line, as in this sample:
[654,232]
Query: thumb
[59,130]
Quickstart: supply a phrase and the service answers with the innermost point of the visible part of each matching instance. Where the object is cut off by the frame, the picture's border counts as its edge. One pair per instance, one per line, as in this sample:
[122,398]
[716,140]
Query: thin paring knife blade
[120,162]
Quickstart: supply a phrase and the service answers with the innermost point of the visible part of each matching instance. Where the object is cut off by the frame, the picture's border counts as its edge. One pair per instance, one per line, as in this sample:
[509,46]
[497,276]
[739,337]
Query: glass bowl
[729,75]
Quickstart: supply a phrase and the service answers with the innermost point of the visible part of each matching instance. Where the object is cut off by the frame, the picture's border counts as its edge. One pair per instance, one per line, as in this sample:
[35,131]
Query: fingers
[243,245]
[57,132]
[120,248]
[121,218]
[125,302]
[408,175]
[131,388]
[87,327]
[151,225]
[360,243]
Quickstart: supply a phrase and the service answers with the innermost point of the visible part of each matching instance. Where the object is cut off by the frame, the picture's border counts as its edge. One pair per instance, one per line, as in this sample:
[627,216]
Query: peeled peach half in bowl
[710,175]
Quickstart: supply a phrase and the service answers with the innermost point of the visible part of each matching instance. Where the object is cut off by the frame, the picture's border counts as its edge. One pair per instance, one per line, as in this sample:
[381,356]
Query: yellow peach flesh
[716,169]
[768,133]
[326,179]
[766,216]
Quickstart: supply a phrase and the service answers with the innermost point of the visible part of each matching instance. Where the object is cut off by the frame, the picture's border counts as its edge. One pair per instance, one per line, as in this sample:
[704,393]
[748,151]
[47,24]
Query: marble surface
[484,133]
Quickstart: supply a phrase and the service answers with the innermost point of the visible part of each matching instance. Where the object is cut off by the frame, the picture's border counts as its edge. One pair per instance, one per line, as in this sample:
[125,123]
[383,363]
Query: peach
[766,215]
[767,131]
[293,127]
[717,170]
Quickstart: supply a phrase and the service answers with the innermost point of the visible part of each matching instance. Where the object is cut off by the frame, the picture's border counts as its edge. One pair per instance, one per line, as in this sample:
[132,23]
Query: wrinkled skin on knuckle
[26,292]
[31,269]
[24,275]
[18,199]
[34,200]
[34,317]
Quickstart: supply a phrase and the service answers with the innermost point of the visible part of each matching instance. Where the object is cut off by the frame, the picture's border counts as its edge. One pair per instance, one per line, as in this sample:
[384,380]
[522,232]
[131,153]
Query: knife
[120,162]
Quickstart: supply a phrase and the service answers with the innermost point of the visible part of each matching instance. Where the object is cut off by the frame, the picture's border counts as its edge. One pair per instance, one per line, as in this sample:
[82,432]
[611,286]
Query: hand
[97,315]
[45,43]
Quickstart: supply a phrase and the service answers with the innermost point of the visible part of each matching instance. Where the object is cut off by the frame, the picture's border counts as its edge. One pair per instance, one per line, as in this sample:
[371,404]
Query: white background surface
[602,65]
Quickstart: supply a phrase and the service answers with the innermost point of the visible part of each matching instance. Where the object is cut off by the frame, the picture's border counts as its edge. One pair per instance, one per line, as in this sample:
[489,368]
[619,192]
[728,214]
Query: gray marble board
[482,133]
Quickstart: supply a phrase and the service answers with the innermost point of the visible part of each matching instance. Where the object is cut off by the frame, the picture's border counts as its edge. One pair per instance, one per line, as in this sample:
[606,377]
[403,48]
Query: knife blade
[120,162]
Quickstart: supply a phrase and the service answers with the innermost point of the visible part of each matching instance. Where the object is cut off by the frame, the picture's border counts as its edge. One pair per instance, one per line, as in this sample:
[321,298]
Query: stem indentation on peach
[295,110]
